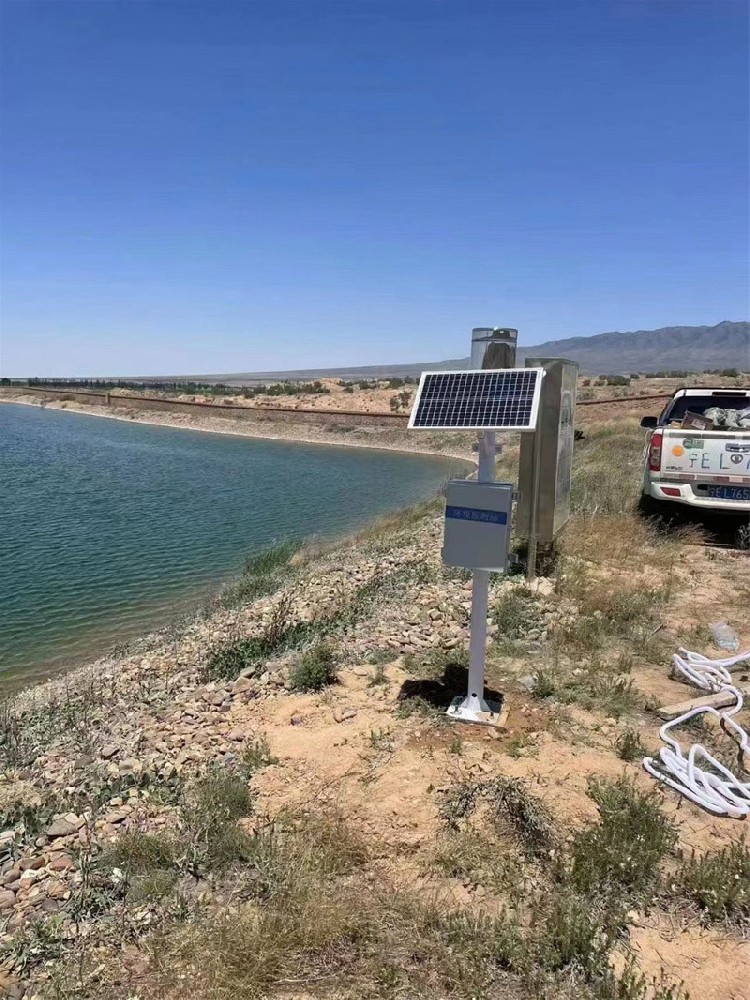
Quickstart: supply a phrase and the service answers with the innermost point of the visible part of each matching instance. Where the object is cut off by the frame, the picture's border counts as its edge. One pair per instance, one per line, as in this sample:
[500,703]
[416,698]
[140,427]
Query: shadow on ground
[440,693]
[725,530]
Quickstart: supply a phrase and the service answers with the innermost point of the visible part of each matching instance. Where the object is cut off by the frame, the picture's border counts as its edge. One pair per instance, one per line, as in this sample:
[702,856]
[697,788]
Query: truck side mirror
[649,421]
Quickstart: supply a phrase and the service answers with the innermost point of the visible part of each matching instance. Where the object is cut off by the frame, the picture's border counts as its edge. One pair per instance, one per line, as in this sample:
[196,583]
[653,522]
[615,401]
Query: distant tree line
[287,388]
[103,384]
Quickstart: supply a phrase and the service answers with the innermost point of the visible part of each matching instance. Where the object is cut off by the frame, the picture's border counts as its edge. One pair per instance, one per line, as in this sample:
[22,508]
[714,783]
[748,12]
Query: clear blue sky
[226,186]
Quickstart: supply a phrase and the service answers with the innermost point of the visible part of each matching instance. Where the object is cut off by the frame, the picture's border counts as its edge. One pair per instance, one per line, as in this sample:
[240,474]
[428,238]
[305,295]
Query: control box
[477,525]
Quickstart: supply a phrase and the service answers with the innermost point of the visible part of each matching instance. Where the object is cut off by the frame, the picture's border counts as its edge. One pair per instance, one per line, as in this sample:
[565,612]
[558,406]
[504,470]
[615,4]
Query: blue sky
[227,186]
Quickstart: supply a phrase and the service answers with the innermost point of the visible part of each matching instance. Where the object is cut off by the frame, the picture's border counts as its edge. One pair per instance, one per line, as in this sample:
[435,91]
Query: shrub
[315,668]
[142,853]
[268,560]
[572,932]
[515,613]
[512,804]
[719,883]
[621,854]
[279,633]
[257,755]
[210,811]
[629,746]
[262,574]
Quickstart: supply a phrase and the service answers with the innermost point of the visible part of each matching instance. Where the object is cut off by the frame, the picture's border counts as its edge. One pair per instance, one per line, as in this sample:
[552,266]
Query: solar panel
[493,399]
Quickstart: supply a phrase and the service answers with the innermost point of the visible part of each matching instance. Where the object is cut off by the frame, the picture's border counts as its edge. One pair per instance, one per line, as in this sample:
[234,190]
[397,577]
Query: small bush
[544,684]
[512,804]
[142,853]
[573,932]
[526,814]
[210,811]
[629,746]
[621,854]
[516,613]
[477,859]
[315,668]
[263,573]
[257,755]
[271,559]
[379,676]
[227,661]
[593,684]
[719,883]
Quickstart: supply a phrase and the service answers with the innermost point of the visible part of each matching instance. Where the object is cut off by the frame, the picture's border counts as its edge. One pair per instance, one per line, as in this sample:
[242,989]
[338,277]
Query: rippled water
[107,528]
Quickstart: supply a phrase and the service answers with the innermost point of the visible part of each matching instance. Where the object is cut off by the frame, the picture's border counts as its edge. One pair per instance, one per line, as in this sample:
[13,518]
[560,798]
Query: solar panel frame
[483,400]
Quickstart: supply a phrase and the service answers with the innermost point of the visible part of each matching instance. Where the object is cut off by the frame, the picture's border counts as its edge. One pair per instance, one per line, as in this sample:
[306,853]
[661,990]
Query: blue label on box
[475,514]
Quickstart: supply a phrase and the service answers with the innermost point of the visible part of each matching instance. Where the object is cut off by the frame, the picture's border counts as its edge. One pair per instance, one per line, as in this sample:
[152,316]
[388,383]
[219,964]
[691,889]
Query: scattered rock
[61,864]
[342,714]
[62,828]
[130,766]
[109,751]
[57,889]
[241,685]
[7,900]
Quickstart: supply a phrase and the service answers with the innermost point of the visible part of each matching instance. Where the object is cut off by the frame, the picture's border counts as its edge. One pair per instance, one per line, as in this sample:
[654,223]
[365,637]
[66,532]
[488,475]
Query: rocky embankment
[108,748]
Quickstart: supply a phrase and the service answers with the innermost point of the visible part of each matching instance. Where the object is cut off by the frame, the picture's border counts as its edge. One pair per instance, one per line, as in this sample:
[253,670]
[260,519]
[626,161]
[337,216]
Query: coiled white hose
[717,790]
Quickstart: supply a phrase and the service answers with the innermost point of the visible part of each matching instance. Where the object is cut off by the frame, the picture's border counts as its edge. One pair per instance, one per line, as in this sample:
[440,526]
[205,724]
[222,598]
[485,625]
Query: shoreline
[14,683]
[296,433]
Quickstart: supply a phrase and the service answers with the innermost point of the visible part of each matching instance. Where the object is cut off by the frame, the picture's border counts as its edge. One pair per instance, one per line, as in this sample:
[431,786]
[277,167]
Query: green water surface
[108,528]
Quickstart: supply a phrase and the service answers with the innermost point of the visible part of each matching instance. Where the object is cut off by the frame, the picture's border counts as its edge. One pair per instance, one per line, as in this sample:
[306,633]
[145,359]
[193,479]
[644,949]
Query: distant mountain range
[671,348]
[678,348]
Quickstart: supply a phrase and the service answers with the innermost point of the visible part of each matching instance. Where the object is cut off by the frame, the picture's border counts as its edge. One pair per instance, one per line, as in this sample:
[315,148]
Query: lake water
[107,528]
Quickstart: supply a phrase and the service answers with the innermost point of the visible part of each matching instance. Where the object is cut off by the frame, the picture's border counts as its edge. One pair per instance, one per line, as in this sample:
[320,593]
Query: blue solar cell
[495,399]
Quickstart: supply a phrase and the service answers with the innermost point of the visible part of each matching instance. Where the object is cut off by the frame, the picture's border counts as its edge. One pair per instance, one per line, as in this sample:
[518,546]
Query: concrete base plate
[484,713]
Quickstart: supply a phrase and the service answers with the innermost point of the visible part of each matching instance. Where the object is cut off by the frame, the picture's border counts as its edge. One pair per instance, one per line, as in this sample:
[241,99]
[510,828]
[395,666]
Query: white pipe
[717,789]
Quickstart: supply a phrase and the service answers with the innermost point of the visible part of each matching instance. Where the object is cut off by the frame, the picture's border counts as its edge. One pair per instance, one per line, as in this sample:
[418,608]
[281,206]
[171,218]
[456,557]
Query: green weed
[628,745]
[718,883]
[622,853]
[315,668]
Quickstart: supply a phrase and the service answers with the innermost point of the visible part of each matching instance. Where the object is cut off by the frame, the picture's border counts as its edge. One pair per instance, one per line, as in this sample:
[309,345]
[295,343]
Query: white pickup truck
[691,460]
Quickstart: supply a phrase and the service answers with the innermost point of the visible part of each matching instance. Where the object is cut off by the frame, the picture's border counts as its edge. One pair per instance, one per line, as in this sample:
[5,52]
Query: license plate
[729,492]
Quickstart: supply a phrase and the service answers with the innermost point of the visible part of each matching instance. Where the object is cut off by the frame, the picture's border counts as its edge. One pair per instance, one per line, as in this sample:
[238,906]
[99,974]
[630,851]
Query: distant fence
[622,399]
[229,411]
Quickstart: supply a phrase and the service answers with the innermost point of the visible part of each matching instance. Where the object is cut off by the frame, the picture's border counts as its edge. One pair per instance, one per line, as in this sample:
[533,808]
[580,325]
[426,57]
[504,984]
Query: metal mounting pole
[489,348]
[534,509]
[474,707]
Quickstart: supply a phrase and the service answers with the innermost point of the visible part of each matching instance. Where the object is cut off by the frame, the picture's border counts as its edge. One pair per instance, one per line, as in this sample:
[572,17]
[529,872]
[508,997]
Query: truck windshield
[699,404]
